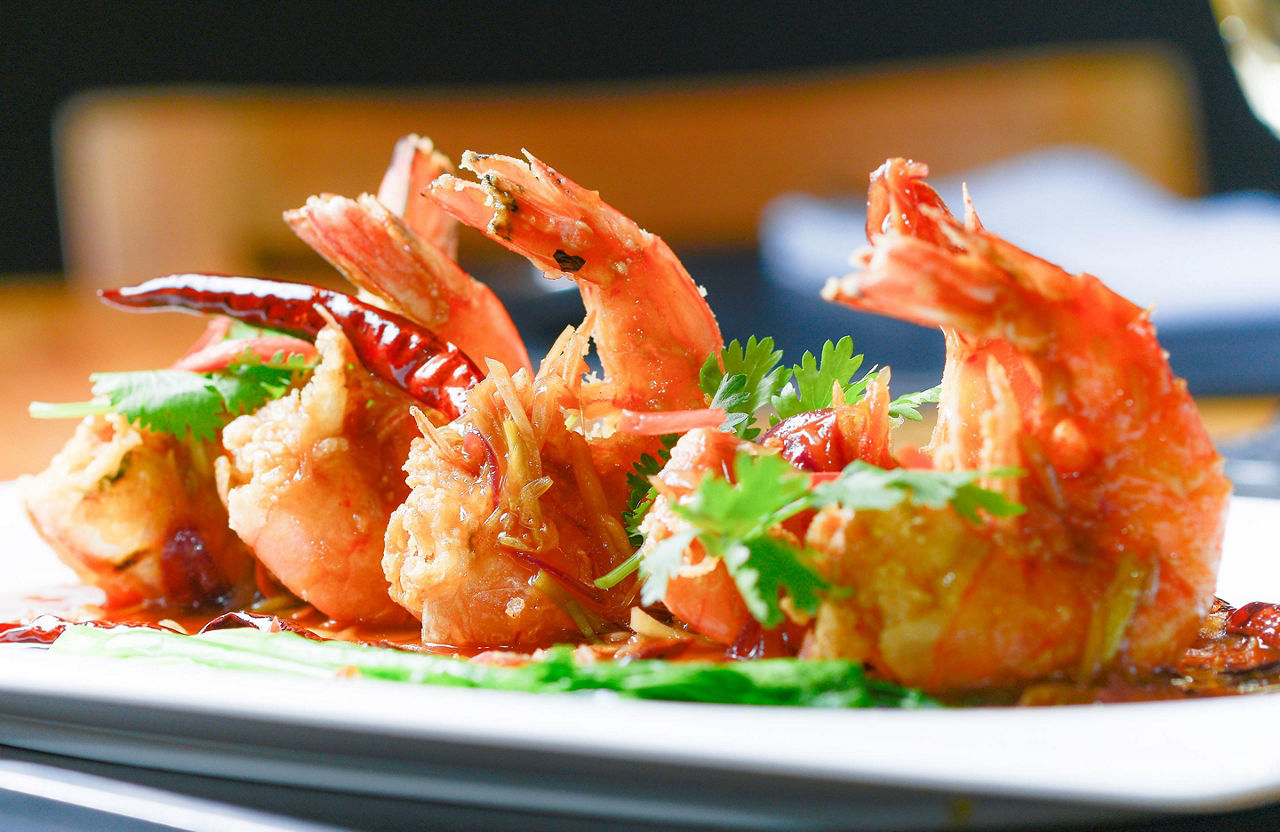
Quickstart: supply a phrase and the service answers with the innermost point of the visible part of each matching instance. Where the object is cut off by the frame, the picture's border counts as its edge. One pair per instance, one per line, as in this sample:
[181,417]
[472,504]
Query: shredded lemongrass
[275,603]
[485,421]
[606,526]
[616,533]
[1111,617]
[432,435]
[544,534]
[587,623]
[535,489]
[615,576]
[511,397]
[519,464]
[541,412]
[565,359]
[646,625]
[522,472]
[553,363]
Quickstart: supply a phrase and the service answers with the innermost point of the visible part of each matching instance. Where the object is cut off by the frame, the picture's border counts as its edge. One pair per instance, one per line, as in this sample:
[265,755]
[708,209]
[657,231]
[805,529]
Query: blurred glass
[1251,29]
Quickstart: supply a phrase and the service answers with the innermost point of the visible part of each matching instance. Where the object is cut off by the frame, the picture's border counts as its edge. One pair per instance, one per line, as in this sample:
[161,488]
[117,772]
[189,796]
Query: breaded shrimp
[1112,566]
[135,514]
[309,481]
[531,479]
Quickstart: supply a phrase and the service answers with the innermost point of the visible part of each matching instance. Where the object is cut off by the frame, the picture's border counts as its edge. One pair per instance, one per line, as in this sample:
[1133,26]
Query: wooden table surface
[52,336]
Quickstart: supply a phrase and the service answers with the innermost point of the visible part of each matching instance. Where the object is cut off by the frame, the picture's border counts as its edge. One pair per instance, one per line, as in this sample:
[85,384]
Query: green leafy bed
[835,684]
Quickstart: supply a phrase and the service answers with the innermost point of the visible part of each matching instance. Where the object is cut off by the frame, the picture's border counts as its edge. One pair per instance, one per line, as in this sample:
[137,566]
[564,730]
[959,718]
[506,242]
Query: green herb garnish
[733,522]
[753,379]
[750,378]
[643,493]
[832,683]
[814,380]
[736,522]
[180,402]
[908,406]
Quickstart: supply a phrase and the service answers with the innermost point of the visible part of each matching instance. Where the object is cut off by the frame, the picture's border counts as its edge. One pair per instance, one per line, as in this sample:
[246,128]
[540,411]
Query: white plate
[601,757]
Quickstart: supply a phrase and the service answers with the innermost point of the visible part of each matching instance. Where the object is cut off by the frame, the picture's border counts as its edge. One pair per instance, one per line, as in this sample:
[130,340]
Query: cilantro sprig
[643,493]
[753,378]
[735,523]
[814,380]
[738,523]
[907,406]
[181,402]
[750,379]
[745,380]
[862,485]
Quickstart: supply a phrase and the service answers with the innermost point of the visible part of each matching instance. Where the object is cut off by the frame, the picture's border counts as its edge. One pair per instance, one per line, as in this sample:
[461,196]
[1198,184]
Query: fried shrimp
[415,164]
[516,506]
[505,500]
[396,461]
[135,513]
[702,594]
[1112,566]
[652,327]
[309,481]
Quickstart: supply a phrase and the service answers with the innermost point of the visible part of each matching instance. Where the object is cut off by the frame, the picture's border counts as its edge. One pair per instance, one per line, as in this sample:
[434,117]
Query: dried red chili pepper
[432,370]
[1258,619]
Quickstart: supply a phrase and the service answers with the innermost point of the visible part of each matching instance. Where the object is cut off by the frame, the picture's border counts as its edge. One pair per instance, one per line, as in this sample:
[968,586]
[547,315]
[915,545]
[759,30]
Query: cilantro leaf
[908,406]
[766,491]
[764,568]
[165,401]
[661,562]
[737,523]
[864,486]
[969,497]
[734,522]
[814,379]
[750,379]
[248,382]
[181,402]
[642,495]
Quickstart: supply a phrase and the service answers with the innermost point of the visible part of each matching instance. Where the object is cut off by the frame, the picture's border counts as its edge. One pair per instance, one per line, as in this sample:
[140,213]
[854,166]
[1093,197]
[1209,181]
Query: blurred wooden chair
[178,179]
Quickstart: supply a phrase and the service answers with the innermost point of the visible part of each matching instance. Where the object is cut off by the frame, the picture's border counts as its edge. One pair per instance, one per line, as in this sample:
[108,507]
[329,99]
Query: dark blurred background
[52,50]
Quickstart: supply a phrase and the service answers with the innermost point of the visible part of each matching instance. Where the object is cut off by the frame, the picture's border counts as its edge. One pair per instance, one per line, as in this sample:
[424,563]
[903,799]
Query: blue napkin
[1208,268]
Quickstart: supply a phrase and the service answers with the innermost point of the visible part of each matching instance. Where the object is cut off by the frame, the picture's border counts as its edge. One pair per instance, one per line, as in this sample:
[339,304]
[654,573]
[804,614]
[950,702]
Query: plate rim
[912,752]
